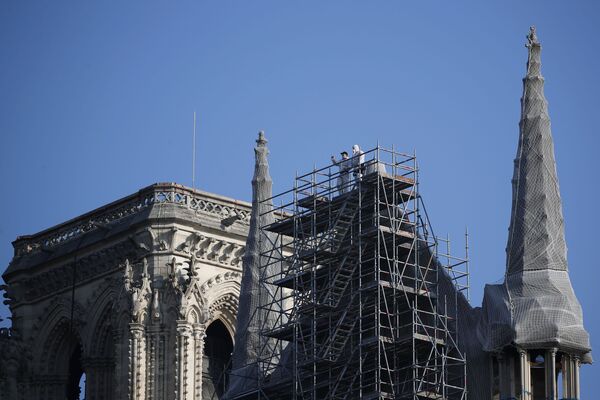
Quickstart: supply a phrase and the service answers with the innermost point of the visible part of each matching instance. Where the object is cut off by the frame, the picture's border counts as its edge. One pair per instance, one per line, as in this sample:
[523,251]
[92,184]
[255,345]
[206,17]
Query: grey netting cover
[536,306]
[250,318]
[466,336]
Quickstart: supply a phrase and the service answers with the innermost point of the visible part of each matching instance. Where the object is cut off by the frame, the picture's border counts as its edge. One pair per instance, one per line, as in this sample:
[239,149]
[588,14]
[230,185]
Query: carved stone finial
[532,38]
[145,268]
[172,267]
[261,141]
[155,306]
[127,273]
[261,151]
[193,265]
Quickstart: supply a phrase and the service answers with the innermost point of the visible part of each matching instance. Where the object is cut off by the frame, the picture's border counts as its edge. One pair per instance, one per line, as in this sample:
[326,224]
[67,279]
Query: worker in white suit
[358,161]
[345,165]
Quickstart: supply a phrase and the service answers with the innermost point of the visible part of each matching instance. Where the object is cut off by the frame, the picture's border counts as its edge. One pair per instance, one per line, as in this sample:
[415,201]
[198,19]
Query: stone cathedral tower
[140,296]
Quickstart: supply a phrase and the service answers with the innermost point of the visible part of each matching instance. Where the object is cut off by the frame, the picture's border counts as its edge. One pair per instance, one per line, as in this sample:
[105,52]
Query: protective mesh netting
[466,335]
[250,317]
[535,307]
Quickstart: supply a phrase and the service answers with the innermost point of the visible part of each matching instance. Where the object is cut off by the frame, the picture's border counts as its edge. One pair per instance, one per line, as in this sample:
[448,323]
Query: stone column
[576,389]
[152,364]
[199,335]
[550,368]
[136,358]
[183,383]
[570,372]
[525,375]
[164,360]
[565,362]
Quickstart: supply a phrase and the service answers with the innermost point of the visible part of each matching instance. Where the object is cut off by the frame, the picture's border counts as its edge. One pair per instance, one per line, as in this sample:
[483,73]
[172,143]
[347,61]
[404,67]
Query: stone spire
[544,311]
[244,374]
[536,235]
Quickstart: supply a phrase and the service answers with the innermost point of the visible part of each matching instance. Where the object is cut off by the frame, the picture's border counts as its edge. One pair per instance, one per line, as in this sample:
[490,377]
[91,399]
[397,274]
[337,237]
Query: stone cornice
[228,210]
[60,278]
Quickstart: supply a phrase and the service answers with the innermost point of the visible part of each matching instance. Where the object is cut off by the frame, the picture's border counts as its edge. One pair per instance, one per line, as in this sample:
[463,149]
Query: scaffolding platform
[359,314]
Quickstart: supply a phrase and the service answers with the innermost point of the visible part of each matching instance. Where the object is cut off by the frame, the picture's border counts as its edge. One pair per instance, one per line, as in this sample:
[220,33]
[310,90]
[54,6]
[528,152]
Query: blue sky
[96,101]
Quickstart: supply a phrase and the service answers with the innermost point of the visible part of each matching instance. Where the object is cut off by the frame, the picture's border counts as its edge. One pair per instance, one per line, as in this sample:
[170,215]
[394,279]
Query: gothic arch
[218,346]
[222,293]
[100,358]
[55,327]
[224,309]
[97,333]
[195,315]
[60,349]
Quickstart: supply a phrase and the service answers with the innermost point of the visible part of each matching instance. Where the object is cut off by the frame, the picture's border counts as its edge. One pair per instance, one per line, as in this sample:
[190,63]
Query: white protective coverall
[358,160]
[343,180]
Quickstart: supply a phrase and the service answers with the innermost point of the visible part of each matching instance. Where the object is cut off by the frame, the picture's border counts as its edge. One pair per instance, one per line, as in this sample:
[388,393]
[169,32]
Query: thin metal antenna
[194,155]
[467,263]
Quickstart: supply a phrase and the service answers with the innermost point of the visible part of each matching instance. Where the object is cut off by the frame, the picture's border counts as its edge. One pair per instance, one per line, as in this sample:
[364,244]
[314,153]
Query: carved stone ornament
[140,292]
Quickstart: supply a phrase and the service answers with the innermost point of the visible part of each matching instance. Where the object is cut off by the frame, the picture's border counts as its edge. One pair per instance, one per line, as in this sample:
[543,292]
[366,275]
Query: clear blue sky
[96,101]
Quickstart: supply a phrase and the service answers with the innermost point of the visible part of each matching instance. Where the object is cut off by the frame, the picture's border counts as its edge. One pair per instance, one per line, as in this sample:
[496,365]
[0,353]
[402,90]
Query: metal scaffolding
[355,293]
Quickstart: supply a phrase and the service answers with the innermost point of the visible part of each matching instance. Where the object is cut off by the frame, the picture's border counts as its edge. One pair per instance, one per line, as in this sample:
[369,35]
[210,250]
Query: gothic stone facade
[139,295]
